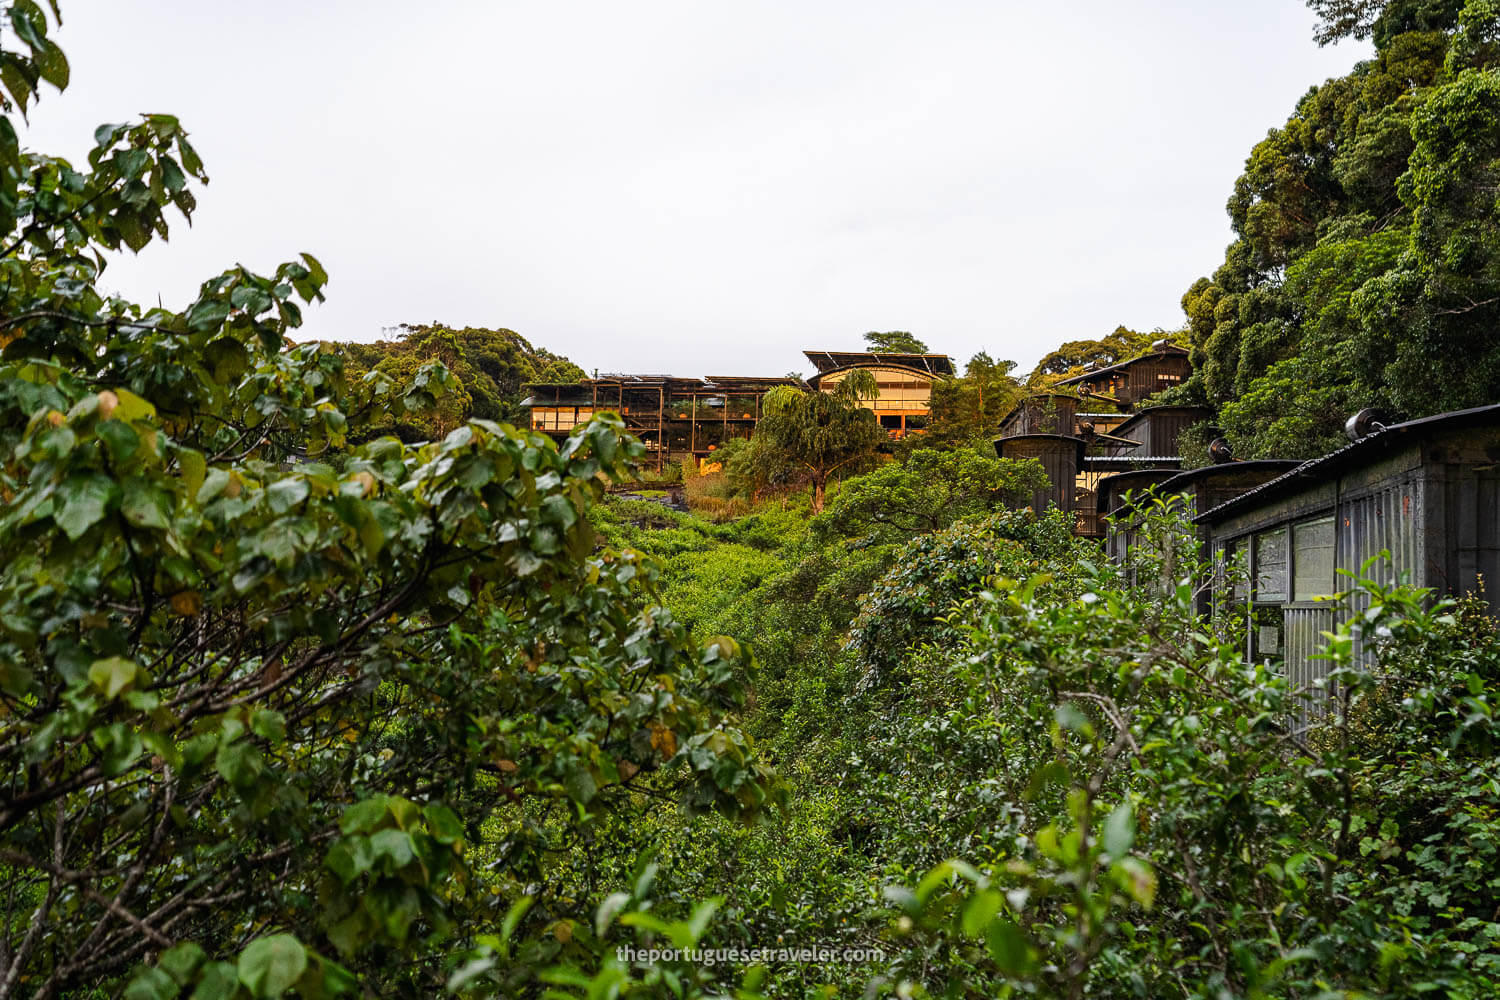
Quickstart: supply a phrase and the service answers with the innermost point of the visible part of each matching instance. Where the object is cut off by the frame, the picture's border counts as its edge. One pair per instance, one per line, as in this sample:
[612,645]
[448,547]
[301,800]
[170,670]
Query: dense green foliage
[280,711]
[894,342]
[967,409]
[812,437]
[315,680]
[1128,803]
[1365,271]
[490,368]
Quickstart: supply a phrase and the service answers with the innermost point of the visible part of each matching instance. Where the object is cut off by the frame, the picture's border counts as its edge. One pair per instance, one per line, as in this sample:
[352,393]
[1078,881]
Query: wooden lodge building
[1080,448]
[678,417]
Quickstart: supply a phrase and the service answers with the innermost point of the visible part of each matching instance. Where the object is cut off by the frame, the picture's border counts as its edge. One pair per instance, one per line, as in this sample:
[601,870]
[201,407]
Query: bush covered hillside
[322,675]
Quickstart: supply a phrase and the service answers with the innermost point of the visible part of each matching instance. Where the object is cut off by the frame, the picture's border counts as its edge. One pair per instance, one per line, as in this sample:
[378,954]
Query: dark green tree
[969,408]
[817,436]
[490,367]
[894,342]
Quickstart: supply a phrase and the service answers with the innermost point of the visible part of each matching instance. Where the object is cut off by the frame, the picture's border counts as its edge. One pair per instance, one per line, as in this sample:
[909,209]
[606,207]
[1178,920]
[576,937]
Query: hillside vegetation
[320,678]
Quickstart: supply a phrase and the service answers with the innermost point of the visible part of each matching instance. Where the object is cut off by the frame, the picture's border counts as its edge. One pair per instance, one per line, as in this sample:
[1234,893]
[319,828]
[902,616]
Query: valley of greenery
[320,678]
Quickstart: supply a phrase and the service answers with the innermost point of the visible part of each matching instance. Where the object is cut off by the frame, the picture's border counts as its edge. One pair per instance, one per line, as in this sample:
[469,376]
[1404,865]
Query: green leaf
[443,823]
[151,984]
[272,965]
[213,484]
[85,501]
[194,469]
[1009,948]
[608,910]
[979,911]
[112,675]
[393,844]
[121,439]
[268,723]
[1119,831]
[284,494]
[219,981]
[119,747]
[190,161]
[132,407]
[53,65]
[349,858]
[239,763]
[181,961]
[581,785]
[208,315]
[144,505]
[365,815]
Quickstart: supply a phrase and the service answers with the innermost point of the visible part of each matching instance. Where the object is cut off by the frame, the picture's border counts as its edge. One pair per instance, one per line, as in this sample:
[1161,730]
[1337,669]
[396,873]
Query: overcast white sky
[699,187]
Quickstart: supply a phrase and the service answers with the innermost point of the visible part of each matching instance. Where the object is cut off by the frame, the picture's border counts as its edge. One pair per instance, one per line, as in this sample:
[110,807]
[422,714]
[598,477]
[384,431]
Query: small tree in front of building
[818,436]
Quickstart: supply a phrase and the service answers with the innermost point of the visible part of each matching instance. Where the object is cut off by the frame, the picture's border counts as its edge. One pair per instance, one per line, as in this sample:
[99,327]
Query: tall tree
[969,408]
[1364,268]
[821,435]
[895,342]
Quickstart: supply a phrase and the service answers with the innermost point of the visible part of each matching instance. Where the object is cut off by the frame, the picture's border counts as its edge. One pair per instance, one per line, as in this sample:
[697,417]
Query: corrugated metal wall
[1390,519]
[1052,413]
[1303,630]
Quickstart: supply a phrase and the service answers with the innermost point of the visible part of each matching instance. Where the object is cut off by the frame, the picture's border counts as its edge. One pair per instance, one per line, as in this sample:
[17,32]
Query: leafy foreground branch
[1169,829]
[279,712]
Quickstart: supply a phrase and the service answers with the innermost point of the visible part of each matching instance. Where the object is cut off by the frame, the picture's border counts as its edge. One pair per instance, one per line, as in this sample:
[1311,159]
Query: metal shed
[1129,382]
[1426,491]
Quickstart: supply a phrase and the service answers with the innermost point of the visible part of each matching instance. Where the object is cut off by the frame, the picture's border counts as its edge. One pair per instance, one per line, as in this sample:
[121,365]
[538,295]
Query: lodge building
[679,418]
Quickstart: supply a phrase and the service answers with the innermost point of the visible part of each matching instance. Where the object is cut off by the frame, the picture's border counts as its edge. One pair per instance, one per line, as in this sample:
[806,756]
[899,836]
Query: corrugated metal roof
[1161,461]
[1365,449]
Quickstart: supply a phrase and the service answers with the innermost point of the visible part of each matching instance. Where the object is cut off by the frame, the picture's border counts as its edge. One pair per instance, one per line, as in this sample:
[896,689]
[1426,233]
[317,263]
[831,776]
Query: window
[1271,566]
[1312,559]
[1230,582]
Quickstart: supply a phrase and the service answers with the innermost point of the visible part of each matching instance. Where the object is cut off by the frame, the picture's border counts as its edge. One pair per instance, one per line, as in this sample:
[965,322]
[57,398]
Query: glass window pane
[1270,566]
[1312,559]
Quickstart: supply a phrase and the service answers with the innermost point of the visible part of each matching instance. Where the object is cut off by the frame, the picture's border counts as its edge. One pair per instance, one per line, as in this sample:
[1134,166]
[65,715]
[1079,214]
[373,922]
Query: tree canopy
[489,366]
[969,408]
[895,342]
[1364,270]
[815,436]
